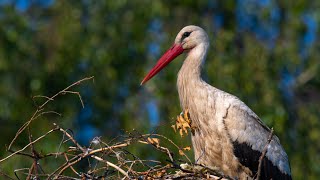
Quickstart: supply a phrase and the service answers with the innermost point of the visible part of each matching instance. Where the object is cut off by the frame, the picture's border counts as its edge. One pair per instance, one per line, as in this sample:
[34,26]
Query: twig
[22,128]
[112,165]
[47,112]
[25,147]
[5,175]
[34,164]
[41,96]
[108,148]
[65,166]
[65,89]
[36,115]
[40,108]
[17,170]
[77,93]
[30,171]
[166,138]
[163,149]
[22,153]
[265,149]
[66,157]
[70,137]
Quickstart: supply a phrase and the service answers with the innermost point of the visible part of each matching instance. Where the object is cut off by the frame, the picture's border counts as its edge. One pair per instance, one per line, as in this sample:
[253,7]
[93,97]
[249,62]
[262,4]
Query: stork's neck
[191,68]
[189,76]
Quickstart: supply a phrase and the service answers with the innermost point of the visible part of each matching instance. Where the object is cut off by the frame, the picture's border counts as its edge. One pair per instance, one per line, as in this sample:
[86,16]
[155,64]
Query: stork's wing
[249,136]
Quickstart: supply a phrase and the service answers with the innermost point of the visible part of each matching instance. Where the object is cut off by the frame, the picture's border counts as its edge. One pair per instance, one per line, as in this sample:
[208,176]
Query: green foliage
[43,50]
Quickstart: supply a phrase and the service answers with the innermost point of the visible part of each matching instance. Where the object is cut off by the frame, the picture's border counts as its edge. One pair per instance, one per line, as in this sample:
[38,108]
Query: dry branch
[112,165]
[265,149]
[25,147]
[38,113]
[111,160]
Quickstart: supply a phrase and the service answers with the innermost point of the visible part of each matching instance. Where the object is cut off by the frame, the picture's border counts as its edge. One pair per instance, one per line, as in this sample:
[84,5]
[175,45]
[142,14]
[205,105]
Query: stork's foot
[183,123]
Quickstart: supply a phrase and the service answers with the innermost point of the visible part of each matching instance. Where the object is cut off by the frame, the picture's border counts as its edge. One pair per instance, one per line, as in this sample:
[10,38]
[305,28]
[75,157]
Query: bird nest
[106,160]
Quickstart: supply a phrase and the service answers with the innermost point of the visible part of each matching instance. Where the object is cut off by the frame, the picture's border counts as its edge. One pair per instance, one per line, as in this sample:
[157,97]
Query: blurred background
[265,52]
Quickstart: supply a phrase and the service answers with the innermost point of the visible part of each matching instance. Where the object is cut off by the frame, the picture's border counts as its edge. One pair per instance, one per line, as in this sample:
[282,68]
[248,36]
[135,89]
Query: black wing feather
[250,159]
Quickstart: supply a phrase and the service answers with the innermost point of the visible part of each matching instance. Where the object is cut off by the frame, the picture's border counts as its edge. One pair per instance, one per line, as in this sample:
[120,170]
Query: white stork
[228,134]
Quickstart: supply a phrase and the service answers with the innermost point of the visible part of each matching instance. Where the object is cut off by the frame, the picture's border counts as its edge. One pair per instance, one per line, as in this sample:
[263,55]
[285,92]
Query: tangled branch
[106,160]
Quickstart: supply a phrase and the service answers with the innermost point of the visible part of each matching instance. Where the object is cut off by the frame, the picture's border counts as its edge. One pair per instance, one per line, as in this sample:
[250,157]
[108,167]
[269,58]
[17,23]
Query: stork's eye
[186,34]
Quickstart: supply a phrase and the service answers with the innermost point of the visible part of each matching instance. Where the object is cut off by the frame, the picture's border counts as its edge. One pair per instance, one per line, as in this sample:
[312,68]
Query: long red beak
[170,55]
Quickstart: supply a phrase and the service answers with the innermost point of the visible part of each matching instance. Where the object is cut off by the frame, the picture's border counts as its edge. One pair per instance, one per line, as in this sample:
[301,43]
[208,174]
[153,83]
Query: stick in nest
[39,112]
[264,152]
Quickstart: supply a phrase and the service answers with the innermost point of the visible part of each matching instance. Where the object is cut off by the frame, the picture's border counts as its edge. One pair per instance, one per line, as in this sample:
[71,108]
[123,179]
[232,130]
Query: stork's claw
[183,123]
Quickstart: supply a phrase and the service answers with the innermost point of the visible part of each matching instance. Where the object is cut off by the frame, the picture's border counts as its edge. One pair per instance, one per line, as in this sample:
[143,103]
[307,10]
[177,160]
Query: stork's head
[187,39]
[191,36]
